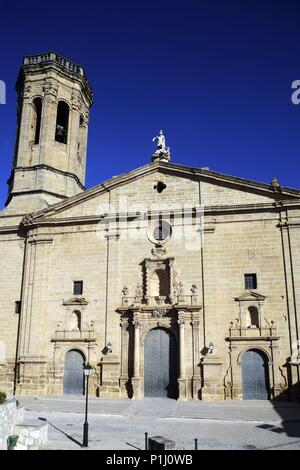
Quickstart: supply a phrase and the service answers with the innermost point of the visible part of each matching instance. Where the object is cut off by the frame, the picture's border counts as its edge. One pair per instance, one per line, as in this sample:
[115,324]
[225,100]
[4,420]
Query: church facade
[168,280]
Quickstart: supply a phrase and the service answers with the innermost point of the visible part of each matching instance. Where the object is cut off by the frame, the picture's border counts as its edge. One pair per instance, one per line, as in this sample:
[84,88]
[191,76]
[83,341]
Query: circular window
[161,232]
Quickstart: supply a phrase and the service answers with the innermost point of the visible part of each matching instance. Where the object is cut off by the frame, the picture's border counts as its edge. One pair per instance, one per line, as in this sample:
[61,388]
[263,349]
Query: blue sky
[215,75]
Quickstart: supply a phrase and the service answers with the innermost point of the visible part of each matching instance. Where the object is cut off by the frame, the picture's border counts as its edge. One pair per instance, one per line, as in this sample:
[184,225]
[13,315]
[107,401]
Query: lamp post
[87,370]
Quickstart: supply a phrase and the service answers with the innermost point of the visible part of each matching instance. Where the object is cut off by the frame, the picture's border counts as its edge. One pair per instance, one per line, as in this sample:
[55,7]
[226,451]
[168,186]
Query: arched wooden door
[255,375]
[73,373]
[160,364]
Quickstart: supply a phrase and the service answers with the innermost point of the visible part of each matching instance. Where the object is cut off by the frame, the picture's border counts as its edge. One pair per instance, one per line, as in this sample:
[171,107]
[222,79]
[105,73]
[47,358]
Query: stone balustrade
[67,335]
[52,56]
[156,301]
[252,332]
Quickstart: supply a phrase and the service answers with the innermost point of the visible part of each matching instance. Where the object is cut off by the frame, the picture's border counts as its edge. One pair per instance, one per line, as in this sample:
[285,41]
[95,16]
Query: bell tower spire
[54,100]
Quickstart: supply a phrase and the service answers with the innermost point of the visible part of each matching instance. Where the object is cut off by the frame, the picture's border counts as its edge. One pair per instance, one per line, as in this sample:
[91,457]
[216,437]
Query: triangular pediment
[75,301]
[182,182]
[251,297]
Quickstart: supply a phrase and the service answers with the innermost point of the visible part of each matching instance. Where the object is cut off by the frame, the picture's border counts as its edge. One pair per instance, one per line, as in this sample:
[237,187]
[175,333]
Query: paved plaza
[121,424]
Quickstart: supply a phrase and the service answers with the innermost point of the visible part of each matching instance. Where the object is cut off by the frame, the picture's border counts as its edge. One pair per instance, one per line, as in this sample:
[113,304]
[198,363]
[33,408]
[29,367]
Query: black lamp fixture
[87,370]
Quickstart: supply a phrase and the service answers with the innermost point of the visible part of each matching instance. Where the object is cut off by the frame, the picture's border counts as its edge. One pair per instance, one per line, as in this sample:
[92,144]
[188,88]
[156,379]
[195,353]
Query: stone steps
[32,435]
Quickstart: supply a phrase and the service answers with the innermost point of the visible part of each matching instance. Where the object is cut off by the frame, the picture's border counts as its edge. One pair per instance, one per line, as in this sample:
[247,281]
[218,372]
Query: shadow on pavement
[287,406]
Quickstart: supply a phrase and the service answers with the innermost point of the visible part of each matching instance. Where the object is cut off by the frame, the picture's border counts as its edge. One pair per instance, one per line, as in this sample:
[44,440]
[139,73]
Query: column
[182,377]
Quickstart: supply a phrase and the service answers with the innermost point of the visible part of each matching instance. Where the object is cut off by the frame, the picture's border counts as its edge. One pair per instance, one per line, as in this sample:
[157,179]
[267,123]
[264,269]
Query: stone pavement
[121,424]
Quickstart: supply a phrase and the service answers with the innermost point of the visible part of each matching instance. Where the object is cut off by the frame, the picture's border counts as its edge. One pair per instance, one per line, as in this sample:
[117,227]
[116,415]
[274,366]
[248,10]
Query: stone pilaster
[196,379]
[182,374]
[124,357]
[33,346]
[48,119]
[136,380]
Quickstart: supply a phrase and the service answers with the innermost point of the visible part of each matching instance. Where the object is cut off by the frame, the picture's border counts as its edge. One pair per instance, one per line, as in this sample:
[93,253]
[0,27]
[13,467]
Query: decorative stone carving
[178,288]
[160,299]
[139,294]
[124,323]
[125,291]
[159,251]
[75,301]
[76,101]
[50,89]
[194,289]
[139,290]
[136,323]
[159,312]
[27,92]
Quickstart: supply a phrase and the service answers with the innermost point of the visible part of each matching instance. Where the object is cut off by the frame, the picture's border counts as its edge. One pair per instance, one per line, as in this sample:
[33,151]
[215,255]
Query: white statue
[160,141]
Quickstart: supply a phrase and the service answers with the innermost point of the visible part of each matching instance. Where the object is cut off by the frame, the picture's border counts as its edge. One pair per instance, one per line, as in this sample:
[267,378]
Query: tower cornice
[32,63]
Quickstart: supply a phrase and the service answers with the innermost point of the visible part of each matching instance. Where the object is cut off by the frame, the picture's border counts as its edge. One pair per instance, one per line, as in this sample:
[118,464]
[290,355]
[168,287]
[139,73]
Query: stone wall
[9,417]
[31,434]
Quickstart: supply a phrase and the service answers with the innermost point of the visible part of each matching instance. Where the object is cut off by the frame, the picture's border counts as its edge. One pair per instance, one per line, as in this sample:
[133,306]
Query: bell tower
[54,100]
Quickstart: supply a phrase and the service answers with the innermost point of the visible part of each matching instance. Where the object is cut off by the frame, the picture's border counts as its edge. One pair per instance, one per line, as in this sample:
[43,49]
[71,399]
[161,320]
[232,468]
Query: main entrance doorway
[255,375]
[160,364]
[73,374]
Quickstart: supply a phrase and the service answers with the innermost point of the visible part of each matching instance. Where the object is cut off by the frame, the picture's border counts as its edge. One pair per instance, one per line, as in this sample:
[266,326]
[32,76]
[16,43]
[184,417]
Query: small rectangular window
[250,281]
[78,288]
[17,307]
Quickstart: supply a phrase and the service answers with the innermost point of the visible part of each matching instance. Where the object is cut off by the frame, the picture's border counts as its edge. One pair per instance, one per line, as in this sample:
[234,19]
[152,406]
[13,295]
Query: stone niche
[160,303]
[158,281]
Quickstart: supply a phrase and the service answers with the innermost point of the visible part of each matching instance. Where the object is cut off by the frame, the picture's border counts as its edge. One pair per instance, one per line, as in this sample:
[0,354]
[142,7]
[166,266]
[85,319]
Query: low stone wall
[9,417]
[31,434]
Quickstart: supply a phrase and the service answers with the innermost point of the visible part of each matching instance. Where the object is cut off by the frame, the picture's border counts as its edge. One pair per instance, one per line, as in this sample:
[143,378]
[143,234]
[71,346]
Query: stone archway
[255,375]
[160,364]
[73,372]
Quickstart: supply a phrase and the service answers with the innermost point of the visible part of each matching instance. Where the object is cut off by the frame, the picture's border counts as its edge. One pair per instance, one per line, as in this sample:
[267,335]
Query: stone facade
[163,247]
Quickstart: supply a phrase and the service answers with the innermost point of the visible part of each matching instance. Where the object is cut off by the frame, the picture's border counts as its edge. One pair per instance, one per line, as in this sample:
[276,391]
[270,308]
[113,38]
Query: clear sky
[215,75]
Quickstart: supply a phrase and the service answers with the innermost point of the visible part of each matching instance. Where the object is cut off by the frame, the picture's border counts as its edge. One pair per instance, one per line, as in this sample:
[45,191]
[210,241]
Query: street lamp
[87,370]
